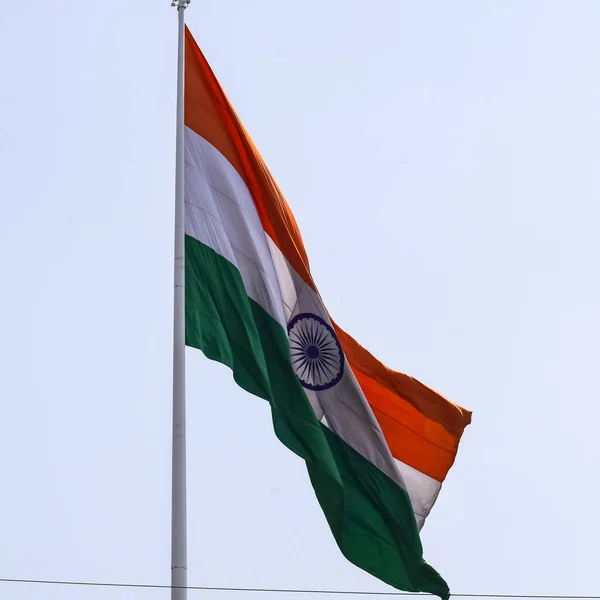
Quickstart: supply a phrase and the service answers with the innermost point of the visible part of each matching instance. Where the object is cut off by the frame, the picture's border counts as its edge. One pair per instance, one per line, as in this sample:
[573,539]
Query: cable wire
[289,590]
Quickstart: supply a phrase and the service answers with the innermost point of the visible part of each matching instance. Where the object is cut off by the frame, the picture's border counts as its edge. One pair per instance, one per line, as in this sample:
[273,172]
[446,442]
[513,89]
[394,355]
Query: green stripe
[370,516]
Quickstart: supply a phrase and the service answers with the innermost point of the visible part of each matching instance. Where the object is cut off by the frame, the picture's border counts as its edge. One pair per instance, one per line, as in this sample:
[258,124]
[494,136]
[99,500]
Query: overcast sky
[443,161]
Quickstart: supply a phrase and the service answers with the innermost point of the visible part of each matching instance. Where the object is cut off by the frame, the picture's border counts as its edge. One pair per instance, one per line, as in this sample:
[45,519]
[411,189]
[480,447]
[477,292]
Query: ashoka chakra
[317,356]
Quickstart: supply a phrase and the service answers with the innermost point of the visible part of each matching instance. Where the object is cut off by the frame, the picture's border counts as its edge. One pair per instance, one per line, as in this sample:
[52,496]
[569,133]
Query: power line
[288,591]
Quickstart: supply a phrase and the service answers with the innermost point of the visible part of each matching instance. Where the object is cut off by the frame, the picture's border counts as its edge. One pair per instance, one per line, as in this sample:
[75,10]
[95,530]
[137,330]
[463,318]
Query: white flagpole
[178,506]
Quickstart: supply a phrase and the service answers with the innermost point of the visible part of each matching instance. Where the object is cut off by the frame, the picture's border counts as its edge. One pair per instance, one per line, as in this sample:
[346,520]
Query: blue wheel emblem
[317,356]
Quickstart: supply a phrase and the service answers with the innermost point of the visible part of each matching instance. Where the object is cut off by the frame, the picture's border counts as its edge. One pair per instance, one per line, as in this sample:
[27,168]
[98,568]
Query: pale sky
[443,162]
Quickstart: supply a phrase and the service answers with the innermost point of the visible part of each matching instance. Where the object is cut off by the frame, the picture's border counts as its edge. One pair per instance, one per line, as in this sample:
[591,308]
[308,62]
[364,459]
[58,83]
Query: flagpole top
[180,3]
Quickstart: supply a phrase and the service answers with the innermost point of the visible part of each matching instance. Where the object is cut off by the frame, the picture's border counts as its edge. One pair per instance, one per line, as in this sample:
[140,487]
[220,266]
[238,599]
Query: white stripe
[221,214]
[345,407]
[422,490]
[286,282]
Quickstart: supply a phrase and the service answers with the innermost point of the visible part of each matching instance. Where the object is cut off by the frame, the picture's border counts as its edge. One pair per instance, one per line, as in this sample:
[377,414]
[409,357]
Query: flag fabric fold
[377,443]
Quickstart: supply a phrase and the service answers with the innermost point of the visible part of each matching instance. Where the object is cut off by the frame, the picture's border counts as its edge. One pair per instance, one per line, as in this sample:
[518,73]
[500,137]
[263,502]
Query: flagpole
[178,490]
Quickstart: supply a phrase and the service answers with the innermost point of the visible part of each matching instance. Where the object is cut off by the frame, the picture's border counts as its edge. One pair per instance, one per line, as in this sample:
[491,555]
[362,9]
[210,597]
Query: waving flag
[377,444]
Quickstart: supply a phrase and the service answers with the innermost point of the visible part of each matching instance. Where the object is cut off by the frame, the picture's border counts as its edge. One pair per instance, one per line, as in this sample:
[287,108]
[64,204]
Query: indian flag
[377,444]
